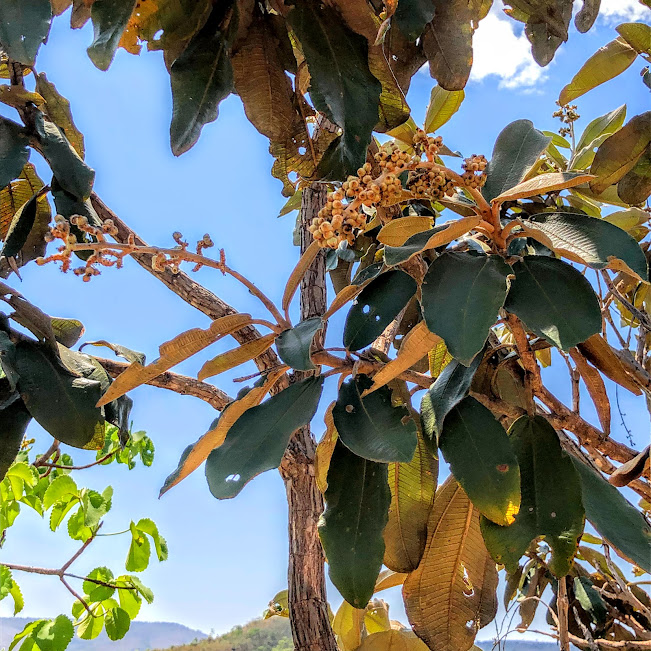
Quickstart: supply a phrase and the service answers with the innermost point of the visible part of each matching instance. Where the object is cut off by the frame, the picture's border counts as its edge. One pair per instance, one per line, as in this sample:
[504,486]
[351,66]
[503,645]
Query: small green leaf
[9,587]
[294,345]
[91,626]
[71,172]
[379,303]
[551,500]
[62,403]
[258,439]
[20,228]
[160,544]
[98,592]
[24,25]
[482,460]
[201,78]
[608,62]
[516,149]
[618,521]
[142,589]
[449,389]
[591,241]
[61,488]
[443,104]
[117,623]
[14,152]
[129,597]
[109,17]
[341,84]
[370,426]
[139,551]
[357,503]
[461,296]
[54,635]
[554,300]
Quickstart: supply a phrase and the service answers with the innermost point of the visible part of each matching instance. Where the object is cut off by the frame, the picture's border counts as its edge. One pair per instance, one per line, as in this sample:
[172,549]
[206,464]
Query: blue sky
[228,558]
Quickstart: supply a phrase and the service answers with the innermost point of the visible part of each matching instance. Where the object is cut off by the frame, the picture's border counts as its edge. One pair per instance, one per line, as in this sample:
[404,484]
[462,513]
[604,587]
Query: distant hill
[141,636]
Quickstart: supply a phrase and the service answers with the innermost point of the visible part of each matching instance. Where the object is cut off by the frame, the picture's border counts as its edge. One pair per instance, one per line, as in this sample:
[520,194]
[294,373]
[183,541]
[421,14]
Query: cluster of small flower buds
[430,184]
[428,145]
[566,114]
[474,175]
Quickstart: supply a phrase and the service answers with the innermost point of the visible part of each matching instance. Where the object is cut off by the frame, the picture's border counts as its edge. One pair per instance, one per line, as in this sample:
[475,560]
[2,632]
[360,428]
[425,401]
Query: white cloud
[624,10]
[500,52]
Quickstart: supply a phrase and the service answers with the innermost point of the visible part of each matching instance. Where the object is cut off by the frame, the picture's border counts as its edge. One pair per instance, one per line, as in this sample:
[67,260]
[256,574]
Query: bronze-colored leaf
[631,470]
[299,271]
[173,352]
[324,450]
[416,344]
[596,388]
[233,358]
[542,184]
[398,231]
[453,591]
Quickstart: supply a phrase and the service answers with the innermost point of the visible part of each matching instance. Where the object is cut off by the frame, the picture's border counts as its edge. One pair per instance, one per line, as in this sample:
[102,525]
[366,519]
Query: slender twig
[562,605]
[88,465]
[41,461]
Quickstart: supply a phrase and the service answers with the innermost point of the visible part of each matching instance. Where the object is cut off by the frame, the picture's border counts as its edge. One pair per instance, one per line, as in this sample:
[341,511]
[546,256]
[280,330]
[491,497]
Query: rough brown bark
[308,606]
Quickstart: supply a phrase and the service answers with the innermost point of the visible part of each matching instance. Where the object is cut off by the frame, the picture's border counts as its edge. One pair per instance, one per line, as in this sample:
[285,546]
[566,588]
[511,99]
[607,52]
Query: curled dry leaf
[418,342]
[299,271]
[596,388]
[174,352]
[213,438]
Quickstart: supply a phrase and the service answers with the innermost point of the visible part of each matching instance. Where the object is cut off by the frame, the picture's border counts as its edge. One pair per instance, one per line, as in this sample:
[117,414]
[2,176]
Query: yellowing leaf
[620,152]
[542,184]
[398,231]
[417,343]
[299,271]
[236,356]
[637,35]
[173,352]
[324,450]
[347,626]
[596,388]
[609,61]
[397,640]
[405,132]
[443,104]
[439,358]
[452,594]
[389,579]
[19,97]
[213,438]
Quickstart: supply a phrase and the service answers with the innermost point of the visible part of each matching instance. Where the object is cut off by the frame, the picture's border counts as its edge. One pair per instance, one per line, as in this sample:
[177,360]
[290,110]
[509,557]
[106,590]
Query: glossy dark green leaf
[449,389]
[357,506]
[294,345]
[24,25]
[590,599]
[554,300]
[54,635]
[394,255]
[371,426]
[616,519]
[516,149]
[71,172]
[461,296]
[20,228]
[109,17]
[379,303]
[551,500]
[8,363]
[14,419]
[593,241]
[635,186]
[413,15]
[257,440]
[201,78]
[341,84]
[14,152]
[482,460]
[62,403]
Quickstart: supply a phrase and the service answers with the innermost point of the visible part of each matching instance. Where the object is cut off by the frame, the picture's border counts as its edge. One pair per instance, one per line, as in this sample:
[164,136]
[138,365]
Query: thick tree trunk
[308,606]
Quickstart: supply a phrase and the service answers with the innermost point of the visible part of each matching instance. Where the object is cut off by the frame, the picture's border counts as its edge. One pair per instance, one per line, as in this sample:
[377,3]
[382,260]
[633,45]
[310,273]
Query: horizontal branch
[182,384]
